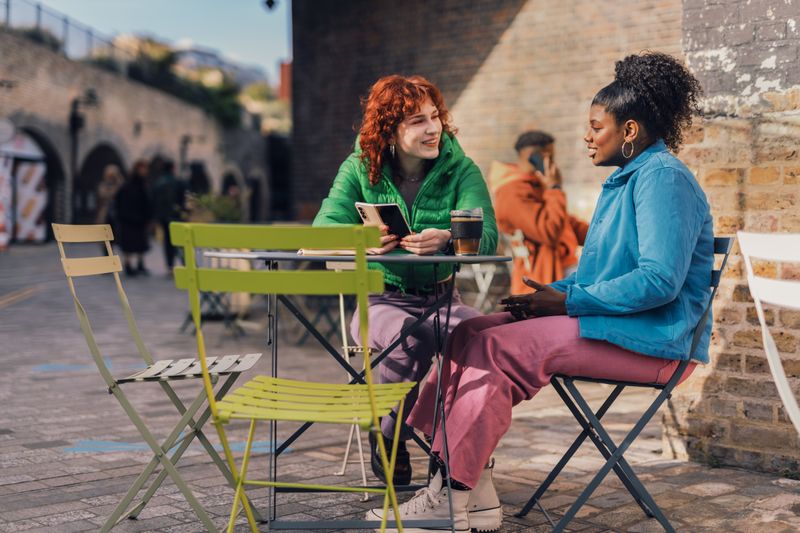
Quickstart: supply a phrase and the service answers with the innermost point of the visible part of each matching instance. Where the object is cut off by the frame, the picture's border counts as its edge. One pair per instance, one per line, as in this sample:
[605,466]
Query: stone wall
[504,66]
[746,154]
[135,120]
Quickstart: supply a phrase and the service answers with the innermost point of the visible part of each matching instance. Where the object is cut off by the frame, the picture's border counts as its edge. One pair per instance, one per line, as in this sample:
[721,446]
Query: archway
[31,188]
[85,193]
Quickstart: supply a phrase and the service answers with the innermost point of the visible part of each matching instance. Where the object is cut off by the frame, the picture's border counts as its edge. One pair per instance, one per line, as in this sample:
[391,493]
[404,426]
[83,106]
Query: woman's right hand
[546,301]
[388,242]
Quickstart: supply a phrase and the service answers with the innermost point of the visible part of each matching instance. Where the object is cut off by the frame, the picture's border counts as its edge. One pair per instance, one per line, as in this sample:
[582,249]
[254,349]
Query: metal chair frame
[592,428]
[162,372]
[269,398]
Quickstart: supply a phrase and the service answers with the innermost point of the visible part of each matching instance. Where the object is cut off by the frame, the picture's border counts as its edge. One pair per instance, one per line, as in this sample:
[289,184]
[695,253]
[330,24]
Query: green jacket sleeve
[472,193]
[338,207]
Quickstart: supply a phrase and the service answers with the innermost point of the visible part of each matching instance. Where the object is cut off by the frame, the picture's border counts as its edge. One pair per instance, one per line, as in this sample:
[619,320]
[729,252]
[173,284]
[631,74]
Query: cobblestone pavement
[68,452]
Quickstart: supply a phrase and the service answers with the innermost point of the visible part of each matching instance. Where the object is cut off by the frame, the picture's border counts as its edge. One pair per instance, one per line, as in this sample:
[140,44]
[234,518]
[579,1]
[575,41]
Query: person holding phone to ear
[407,154]
[528,197]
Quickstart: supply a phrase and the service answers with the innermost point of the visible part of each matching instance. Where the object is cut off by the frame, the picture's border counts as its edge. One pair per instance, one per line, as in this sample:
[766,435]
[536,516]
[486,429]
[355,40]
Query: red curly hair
[391,99]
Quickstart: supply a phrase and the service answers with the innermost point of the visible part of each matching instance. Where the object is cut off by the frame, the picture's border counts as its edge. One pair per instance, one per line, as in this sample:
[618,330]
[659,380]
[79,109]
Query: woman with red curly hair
[407,153]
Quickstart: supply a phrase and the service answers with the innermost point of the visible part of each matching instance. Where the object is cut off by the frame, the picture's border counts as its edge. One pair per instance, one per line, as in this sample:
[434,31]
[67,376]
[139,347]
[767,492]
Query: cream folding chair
[270,398]
[515,245]
[774,247]
[162,372]
[351,351]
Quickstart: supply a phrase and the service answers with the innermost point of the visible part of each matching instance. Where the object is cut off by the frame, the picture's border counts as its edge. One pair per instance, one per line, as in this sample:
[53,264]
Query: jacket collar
[621,175]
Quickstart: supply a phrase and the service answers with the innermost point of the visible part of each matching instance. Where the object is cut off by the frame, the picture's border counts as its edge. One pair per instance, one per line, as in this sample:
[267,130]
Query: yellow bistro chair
[268,398]
[189,427]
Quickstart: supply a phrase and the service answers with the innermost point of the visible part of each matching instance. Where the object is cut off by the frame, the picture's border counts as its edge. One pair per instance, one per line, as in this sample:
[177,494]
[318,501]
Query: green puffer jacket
[454,182]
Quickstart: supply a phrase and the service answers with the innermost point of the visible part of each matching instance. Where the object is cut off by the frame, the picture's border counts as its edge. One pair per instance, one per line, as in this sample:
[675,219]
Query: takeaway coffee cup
[466,227]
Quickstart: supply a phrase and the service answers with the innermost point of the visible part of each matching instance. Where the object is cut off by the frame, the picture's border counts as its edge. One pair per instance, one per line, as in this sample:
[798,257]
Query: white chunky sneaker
[483,507]
[430,503]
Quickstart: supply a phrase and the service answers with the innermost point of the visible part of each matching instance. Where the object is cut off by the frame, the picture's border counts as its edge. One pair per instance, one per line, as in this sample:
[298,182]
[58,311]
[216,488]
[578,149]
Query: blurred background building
[73,100]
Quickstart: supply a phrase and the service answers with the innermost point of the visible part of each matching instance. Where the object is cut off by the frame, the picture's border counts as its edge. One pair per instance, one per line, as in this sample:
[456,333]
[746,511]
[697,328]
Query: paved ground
[68,452]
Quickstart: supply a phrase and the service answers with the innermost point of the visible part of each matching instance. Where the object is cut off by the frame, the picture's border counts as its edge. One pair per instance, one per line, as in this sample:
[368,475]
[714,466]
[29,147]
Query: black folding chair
[594,430]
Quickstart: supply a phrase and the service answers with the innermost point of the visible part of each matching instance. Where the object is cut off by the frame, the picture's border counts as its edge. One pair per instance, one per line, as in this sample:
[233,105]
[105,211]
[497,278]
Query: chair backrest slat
[783,293]
[263,237]
[91,266]
[278,282]
[770,246]
[75,267]
[723,245]
[83,233]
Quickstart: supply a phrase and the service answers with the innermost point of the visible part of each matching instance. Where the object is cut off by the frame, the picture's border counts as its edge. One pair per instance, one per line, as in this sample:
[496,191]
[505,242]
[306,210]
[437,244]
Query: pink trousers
[492,363]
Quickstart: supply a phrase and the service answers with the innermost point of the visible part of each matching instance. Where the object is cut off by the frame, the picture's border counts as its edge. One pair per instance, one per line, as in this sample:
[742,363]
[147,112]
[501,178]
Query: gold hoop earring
[629,155]
[391,150]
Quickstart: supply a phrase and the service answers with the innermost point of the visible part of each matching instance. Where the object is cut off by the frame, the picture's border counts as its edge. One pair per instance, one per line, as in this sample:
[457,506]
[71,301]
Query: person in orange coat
[530,199]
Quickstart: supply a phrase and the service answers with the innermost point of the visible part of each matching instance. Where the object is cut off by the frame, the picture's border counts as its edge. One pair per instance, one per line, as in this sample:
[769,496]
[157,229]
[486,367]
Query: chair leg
[551,477]
[354,432]
[616,460]
[602,441]
[346,456]
[169,442]
[361,463]
[197,432]
[388,467]
[239,495]
[161,454]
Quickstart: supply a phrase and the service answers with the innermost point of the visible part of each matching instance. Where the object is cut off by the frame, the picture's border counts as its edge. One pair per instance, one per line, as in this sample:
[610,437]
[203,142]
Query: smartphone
[388,214]
[537,161]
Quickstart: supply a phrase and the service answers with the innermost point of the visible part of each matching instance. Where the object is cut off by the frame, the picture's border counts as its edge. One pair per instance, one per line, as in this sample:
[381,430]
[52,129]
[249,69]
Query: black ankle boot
[402,467]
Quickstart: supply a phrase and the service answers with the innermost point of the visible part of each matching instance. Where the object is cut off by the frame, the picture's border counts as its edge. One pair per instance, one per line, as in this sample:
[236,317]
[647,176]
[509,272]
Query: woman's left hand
[546,301]
[428,241]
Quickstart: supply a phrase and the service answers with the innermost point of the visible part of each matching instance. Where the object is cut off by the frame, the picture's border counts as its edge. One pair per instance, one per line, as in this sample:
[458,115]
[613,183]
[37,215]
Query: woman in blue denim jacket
[628,313]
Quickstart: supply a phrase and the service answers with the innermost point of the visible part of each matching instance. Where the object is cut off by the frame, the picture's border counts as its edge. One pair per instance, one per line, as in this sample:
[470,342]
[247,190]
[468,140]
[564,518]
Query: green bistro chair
[269,398]
[164,372]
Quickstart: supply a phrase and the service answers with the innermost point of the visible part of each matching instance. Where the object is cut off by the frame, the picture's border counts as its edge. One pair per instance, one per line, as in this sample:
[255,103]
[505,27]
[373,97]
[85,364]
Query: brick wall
[506,66]
[503,65]
[746,154]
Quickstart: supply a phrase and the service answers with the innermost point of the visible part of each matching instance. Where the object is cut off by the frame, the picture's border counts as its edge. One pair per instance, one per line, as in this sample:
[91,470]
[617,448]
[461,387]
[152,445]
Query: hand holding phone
[384,214]
[546,169]
[537,160]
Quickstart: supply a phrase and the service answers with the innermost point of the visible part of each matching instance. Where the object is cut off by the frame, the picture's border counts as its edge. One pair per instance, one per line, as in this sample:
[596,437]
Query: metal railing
[58,32]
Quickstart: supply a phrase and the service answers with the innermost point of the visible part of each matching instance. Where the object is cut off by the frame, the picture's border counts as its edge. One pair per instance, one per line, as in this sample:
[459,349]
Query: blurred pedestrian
[134,214]
[107,189]
[168,203]
[528,197]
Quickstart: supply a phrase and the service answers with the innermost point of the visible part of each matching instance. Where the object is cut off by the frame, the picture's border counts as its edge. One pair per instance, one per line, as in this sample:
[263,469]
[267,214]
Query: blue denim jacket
[643,278]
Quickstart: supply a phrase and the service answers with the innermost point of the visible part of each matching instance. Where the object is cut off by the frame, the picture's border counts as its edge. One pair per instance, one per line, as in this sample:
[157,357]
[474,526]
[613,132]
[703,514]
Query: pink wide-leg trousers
[492,363]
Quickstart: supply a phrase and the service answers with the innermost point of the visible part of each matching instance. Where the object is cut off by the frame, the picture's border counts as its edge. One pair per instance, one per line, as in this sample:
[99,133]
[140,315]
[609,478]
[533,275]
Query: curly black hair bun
[656,90]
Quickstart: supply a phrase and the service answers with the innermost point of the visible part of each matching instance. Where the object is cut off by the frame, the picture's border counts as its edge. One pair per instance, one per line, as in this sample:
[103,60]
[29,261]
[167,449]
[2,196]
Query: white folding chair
[483,274]
[776,247]
[515,246]
[349,351]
